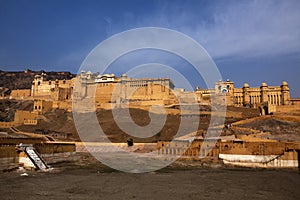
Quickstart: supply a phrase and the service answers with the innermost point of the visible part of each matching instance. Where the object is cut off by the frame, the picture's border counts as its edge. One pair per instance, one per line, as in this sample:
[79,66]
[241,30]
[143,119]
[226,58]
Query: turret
[285,93]
[38,79]
[246,96]
[124,77]
[89,75]
[264,92]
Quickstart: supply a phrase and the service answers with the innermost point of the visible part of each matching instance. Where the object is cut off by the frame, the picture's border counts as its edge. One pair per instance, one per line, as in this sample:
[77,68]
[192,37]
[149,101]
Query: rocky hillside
[23,79]
[60,121]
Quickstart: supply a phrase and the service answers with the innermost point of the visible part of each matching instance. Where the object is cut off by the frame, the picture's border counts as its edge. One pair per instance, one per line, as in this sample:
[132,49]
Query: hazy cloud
[234,28]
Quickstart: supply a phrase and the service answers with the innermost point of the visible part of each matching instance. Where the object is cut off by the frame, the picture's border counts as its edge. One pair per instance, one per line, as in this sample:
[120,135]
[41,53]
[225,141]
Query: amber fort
[108,91]
[149,91]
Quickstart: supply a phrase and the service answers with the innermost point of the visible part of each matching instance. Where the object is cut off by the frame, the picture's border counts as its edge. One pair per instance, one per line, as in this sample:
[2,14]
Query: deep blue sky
[250,41]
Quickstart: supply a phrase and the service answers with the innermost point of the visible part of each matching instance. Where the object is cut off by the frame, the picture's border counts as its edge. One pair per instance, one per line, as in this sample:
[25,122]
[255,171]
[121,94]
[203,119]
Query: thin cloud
[237,28]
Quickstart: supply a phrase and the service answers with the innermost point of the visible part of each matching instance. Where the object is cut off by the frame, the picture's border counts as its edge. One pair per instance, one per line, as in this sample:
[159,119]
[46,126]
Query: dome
[124,75]
[284,83]
[246,85]
[264,84]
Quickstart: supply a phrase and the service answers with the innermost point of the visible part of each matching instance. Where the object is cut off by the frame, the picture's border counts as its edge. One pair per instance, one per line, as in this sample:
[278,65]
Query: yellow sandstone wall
[20,94]
[22,116]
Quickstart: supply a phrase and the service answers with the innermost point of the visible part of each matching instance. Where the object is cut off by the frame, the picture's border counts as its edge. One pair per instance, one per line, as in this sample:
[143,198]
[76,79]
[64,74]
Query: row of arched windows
[274,99]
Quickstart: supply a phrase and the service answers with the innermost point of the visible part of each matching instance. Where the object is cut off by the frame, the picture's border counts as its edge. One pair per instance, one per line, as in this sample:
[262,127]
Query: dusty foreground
[95,181]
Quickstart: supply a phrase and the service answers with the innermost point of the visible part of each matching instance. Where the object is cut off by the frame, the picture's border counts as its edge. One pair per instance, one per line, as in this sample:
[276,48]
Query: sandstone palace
[110,90]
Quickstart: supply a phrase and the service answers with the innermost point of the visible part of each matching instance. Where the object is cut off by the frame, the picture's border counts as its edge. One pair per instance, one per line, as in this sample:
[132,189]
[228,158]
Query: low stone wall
[51,152]
[7,124]
[15,141]
[52,148]
[288,108]
[9,158]
[8,151]
[10,163]
[287,160]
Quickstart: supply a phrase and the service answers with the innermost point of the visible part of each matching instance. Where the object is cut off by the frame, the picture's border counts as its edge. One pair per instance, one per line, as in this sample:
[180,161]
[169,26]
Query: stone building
[145,89]
[249,96]
[198,148]
[26,117]
[21,117]
[109,90]
[56,90]
[42,106]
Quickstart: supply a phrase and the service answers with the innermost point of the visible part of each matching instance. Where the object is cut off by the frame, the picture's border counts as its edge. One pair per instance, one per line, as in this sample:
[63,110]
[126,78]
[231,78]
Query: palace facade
[107,90]
[249,96]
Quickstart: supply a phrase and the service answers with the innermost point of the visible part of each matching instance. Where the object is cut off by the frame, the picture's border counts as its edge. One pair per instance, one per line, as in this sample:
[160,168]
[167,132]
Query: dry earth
[96,181]
[62,121]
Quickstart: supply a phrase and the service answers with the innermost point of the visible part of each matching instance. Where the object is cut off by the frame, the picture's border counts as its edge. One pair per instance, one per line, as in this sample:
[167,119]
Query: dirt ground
[96,181]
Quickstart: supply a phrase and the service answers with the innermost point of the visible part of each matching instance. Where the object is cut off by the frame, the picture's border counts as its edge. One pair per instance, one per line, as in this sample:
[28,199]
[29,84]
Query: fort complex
[108,91]
[236,145]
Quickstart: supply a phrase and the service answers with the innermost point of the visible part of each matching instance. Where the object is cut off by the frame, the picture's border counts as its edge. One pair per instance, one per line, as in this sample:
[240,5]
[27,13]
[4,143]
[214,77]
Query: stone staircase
[35,158]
